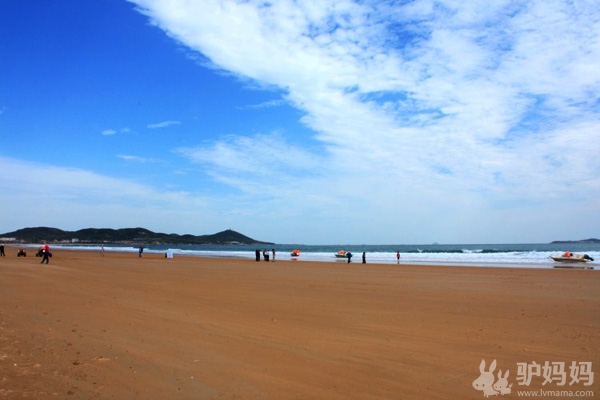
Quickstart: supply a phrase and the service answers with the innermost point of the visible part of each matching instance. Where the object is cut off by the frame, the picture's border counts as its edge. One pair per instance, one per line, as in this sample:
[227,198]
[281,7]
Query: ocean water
[491,255]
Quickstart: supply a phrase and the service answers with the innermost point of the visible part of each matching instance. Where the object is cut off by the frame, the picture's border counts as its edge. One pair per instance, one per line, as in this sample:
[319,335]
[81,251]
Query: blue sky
[316,122]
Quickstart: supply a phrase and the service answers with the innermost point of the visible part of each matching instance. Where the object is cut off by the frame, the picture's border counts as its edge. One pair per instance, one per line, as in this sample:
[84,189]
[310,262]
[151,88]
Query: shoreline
[283,256]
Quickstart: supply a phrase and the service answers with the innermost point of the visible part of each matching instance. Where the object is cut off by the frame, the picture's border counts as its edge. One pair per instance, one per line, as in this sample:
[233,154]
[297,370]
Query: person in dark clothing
[349,255]
[257,253]
[2,251]
[364,257]
[46,252]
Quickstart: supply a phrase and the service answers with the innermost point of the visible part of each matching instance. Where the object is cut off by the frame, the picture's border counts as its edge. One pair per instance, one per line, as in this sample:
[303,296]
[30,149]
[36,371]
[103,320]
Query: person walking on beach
[273,251]
[364,258]
[46,252]
[2,251]
[257,254]
[349,255]
[140,251]
[398,257]
[266,255]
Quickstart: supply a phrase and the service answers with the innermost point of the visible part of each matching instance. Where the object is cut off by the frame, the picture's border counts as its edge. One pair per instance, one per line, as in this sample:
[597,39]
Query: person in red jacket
[46,251]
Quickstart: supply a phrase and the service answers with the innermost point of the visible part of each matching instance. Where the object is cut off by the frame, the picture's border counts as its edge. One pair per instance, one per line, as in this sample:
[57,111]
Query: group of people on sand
[265,254]
[43,252]
[364,257]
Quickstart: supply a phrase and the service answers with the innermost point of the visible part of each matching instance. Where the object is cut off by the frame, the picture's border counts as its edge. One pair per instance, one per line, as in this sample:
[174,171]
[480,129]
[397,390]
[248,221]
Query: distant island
[592,240]
[122,236]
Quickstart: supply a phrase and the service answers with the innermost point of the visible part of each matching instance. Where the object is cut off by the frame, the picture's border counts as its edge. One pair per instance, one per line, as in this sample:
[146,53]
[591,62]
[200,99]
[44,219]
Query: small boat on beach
[295,253]
[572,260]
[342,254]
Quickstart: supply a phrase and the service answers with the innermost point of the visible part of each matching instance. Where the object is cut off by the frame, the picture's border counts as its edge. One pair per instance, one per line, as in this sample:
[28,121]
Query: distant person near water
[257,253]
[46,253]
[266,255]
[364,258]
[398,257]
[349,255]
[140,251]
[2,251]
[273,251]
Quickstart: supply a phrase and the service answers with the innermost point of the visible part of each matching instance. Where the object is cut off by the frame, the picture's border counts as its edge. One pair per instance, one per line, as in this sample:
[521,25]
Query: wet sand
[123,327]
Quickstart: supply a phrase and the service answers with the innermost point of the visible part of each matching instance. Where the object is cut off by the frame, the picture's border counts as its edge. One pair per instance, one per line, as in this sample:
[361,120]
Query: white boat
[571,260]
[341,254]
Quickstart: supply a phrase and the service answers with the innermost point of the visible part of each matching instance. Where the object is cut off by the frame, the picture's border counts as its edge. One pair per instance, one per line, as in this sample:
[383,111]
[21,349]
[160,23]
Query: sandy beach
[118,326]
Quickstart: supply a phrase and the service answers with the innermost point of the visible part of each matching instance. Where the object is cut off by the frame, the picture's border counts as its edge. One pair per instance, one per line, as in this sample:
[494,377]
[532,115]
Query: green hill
[591,240]
[125,235]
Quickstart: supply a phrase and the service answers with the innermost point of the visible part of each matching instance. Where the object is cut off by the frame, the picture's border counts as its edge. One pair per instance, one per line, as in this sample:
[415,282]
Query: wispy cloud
[256,161]
[110,132]
[263,105]
[137,159]
[164,124]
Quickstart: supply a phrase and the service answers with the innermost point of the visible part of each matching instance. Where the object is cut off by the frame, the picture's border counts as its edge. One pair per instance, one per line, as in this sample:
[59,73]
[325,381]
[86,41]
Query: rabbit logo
[485,382]
[501,384]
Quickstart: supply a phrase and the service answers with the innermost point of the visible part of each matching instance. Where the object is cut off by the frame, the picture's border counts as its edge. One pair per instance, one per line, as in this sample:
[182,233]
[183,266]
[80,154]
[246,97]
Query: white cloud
[164,124]
[260,155]
[265,104]
[136,159]
[110,132]
[445,110]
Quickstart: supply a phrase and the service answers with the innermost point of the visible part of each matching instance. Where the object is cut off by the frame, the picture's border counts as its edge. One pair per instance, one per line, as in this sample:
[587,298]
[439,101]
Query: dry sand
[123,327]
